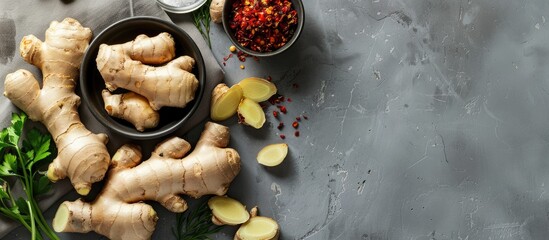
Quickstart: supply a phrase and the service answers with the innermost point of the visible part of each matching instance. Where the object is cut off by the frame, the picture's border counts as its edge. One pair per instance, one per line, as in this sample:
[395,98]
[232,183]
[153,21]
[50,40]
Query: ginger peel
[119,213]
[125,66]
[82,156]
[216,10]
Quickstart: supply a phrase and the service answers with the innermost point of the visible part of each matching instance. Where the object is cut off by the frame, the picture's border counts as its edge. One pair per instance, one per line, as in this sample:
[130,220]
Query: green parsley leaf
[9,165]
[42,185]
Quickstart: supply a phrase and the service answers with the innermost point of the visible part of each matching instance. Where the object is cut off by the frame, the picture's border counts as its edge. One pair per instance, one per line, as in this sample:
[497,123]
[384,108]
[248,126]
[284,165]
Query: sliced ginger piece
[227,211]
[257,89]
[258,228]
[273,154]
[251,113]
[225,101]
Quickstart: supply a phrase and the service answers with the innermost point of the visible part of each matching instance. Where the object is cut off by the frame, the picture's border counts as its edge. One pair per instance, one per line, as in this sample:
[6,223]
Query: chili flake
[296,133]
[295,124]
[282,108]
[280,126]
[275,114]
[263,25]
[282,136]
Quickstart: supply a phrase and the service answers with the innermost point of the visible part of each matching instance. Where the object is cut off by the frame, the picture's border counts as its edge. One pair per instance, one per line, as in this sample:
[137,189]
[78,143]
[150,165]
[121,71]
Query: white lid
[180,6]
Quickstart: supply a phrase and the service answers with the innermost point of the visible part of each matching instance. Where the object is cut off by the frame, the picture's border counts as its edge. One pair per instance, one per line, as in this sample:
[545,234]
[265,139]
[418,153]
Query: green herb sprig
[202,19]
[22,163]
[195,224]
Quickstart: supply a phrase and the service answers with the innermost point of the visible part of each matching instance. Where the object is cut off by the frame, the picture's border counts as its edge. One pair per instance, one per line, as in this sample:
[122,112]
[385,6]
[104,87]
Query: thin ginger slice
[273,154]
[227,211]
[257,89]
[251,113]
[258,228]
[225,101]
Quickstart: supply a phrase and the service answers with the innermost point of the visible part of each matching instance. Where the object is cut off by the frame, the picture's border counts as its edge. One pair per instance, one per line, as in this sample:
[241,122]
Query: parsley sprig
[21,159]
[195,224]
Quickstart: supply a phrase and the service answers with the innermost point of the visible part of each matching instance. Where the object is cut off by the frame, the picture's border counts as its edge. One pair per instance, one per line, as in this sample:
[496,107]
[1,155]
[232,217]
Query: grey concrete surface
[428,119]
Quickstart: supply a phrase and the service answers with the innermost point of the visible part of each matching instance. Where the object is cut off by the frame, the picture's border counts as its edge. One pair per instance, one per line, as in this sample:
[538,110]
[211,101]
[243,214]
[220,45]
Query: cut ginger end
[225,101]
[258,228]
[227,211]
[251,113]
[273,154]
[257,89]
[61,218]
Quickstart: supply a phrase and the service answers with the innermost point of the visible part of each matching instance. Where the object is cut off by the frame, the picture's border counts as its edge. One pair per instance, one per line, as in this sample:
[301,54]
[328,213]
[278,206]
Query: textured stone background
[428,119]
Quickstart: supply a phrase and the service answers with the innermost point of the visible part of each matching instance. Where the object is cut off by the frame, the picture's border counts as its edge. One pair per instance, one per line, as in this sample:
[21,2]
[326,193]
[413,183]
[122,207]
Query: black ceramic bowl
[227,9]
[91,82]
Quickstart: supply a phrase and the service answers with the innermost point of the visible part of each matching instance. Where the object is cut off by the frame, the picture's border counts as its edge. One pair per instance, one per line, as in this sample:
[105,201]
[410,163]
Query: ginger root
[227,211]
[216,10]
[124,66]
[273,154]
[258,227]
[82,156]
[225,101]
[131,107]
[119,213]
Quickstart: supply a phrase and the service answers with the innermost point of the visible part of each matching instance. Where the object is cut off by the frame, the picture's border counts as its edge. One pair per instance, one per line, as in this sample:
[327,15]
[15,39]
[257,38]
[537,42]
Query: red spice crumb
[283,109]
[289,100]
[279,99]
[298,118]
[275,114]
[283,136]
[295,85]
[227,57]
[280,126]
[269,78]
[224,64]
[242,56]
[305,117]
[240,118]
[295,124]
[275,99]
[296,133]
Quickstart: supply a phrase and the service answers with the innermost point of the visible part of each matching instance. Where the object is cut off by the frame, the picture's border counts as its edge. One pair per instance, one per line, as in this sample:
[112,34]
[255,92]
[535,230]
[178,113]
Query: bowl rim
[132,133]
[290,43]
[179,10]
